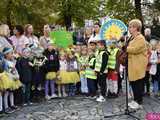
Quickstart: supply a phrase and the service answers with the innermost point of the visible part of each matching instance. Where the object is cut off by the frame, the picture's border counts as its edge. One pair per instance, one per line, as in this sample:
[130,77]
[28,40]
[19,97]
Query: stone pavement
[81,108]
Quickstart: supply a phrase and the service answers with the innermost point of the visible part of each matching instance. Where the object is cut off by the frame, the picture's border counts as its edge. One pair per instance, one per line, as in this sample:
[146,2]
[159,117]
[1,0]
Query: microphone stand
[126,111]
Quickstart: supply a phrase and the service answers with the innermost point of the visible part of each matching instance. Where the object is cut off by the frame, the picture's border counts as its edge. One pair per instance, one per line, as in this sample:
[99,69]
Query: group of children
[66,72]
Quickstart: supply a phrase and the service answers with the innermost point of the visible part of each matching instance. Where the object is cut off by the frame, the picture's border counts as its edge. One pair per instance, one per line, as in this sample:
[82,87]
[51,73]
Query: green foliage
[39,12]
[120,9]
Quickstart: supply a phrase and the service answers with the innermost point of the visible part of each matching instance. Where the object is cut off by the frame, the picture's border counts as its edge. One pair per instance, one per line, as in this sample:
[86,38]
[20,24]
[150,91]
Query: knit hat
[7,50]
[26,50]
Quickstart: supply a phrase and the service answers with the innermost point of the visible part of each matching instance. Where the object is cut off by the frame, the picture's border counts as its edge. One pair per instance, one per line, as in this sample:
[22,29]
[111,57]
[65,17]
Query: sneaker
[64,95]
[54,96]
[47,97]
[93,97]
[25,104]
[14,107]
[1,112]
[9,111]
[59,95]
[134,105]
[30,103]
[100,99]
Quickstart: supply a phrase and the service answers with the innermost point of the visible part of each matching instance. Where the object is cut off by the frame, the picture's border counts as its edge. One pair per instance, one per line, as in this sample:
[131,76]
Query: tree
[76,10]
[120,9]
[22,12]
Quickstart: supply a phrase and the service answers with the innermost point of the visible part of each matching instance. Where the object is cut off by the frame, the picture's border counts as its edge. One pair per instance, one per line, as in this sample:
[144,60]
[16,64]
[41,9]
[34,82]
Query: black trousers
[137,87]
[146,82]
[102,83]
[119,82]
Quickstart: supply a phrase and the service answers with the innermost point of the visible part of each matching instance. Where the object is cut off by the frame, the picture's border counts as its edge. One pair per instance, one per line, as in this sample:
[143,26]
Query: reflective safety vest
[112,58]
[90,73]
[99,62]
[83,60]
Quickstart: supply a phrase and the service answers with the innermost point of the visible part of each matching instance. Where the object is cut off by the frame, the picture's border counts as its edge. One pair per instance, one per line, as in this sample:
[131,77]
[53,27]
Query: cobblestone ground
[81,108]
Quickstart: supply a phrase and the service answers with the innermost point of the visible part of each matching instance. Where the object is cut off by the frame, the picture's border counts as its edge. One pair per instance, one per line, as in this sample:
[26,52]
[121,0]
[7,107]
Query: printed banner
[112,30]
[62,38]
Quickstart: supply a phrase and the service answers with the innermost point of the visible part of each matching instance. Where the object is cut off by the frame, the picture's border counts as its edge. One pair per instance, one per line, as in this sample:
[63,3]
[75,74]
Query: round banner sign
[112,30]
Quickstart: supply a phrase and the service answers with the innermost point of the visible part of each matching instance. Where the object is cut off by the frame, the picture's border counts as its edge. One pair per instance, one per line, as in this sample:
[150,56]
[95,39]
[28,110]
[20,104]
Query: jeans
[52,87]
[26,92]
[91,86]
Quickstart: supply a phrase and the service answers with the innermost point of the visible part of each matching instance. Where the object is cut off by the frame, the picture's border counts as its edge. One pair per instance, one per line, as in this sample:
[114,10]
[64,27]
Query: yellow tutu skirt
[51,76]
[63,78]
[5,82]
[16,84]
[73,77]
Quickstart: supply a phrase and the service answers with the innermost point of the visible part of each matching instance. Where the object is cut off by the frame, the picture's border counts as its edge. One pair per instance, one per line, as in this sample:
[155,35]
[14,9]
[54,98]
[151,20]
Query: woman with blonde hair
[4,34]
[137,62]
[33,40]
[45,39]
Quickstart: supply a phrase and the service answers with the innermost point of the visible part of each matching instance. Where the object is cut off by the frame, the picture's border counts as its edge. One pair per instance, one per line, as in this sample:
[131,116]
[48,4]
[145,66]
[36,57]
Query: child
[38,75]
[83,62]
[63,75]
[113,72]
[101,69]
[5,83]
[14,77]
[91,74]
[52,67]
[72,68]
[153,68]
[25,72]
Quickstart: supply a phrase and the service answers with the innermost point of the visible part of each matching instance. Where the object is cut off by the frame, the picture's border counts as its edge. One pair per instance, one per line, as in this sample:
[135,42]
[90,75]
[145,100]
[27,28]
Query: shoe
[25,104]
[47,97]
[9,111]
[59,95]
[39,88]
[100,99]
[93,97]
[64,95]
[14,107]
[30,103]
[1,112]
[134,105]
[54,96]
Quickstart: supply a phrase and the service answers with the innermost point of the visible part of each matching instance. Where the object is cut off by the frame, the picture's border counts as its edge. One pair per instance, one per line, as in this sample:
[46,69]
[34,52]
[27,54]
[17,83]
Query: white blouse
[63,65]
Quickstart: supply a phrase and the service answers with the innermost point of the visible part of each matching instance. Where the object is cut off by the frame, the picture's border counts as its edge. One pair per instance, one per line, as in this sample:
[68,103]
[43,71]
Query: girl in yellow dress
[63,75]
[5,84]
[9,67]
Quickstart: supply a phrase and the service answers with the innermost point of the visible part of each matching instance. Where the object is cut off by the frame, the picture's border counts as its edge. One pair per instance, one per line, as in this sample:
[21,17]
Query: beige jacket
[137,58]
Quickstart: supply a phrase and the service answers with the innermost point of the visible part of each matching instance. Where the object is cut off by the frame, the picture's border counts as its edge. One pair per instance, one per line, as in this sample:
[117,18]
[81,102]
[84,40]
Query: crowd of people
[94,70]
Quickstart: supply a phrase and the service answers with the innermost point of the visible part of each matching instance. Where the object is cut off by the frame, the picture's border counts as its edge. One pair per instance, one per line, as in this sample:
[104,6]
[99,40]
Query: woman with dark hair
[19,40]
[95,36]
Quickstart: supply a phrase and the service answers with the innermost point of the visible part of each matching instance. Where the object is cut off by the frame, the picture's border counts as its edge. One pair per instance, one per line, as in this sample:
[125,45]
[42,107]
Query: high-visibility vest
[90,73]
[112,58]
[83,60]
[99,62]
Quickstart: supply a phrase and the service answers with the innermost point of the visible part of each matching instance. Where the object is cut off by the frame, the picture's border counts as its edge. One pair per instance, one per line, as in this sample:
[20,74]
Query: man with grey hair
[147,34]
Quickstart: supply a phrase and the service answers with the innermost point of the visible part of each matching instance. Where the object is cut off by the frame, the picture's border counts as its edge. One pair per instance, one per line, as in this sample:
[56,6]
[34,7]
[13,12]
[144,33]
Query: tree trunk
[139,12]
[8,13]
[68,21]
